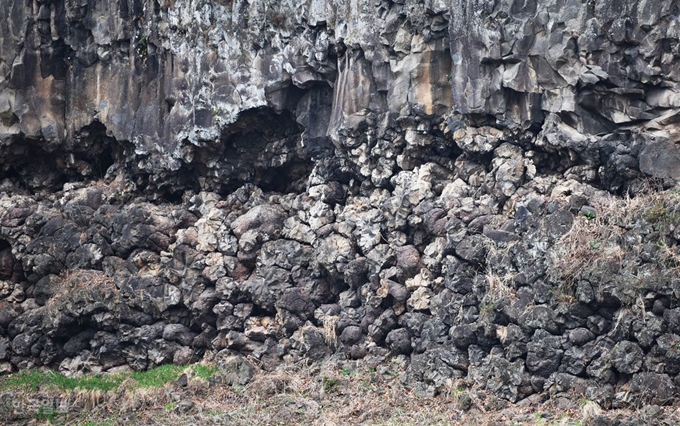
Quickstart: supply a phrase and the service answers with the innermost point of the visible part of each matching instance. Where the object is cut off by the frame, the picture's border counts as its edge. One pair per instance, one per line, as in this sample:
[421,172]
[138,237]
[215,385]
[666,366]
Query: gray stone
[653,388]
[661,159]
[4,348]
[263,218]
[627,357]
[183,356]
[544,353]
[350,335]
[472,250]
[179,333]
[236,369]
[399,341]
[580,336]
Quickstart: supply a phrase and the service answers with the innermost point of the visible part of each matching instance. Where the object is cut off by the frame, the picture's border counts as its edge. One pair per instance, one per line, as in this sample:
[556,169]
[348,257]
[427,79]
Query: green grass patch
[330,384]
[156,377]
[32,379]
[204,371]
[163,374]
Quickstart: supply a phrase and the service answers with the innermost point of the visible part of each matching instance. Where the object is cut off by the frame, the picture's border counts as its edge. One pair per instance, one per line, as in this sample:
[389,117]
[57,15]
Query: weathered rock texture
[287,179]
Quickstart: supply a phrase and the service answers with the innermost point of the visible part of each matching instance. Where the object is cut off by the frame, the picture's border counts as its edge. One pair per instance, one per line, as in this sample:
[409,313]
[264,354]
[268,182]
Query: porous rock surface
[286,180]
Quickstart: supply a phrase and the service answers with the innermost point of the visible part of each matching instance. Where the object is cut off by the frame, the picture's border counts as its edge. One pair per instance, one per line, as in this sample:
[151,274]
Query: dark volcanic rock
[178,333]
[399,341]
[483,191]
[627,357]
[544,353]
[653,388]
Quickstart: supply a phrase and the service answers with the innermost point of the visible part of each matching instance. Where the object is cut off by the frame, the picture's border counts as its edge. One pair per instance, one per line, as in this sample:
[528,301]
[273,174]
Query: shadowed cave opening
[263,147]
[27,164]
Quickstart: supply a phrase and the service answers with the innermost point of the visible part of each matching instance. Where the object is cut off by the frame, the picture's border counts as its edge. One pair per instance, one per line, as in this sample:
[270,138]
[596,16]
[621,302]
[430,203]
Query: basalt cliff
[484,190]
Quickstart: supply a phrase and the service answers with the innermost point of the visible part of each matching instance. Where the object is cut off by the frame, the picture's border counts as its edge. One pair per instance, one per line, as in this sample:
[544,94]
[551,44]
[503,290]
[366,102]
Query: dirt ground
[293,396]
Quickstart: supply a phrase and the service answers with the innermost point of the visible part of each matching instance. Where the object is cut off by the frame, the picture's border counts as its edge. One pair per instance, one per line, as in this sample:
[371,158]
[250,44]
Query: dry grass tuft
[499,287]
[329,334]
[499,274]
[89,399]
[139,399]
[587,243]
[622,226]
[81,281]
[590,409]
[287,379]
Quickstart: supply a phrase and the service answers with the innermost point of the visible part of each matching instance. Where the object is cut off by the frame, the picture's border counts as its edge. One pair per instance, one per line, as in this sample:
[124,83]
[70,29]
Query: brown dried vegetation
[300,395]
[619,233]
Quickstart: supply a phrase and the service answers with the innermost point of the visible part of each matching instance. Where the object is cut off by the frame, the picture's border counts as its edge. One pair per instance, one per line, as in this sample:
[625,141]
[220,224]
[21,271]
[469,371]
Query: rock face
[273,181]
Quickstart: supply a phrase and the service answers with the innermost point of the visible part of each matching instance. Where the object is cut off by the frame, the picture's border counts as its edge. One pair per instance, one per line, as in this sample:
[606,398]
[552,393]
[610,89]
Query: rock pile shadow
[486,190]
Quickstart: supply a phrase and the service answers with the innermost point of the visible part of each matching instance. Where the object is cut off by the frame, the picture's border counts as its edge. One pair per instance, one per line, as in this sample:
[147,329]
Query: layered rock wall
[445,182]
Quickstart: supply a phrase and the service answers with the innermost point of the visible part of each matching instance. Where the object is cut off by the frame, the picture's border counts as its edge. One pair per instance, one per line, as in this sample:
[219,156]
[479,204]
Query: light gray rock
[661,159]
[236,369]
